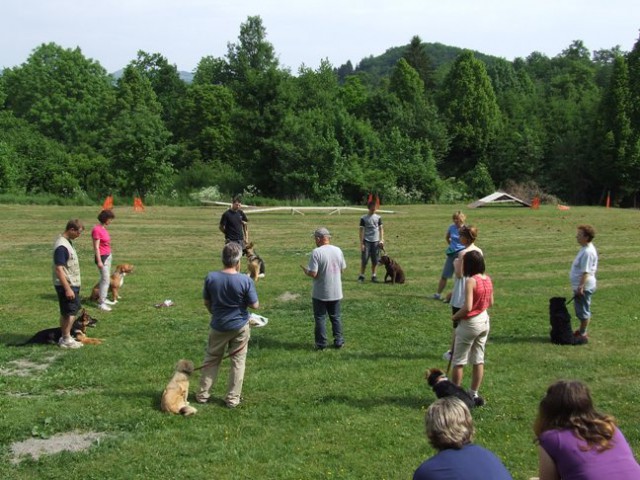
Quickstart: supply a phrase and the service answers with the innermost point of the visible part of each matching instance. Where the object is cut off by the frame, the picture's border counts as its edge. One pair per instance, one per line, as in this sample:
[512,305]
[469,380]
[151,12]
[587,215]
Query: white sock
[474,393]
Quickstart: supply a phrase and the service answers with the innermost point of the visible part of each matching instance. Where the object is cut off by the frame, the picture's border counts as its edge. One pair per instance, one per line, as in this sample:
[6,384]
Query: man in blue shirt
[227,294]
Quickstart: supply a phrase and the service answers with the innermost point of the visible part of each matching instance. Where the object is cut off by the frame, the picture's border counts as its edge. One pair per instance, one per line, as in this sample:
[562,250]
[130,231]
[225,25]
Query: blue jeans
[582,305]
[320,310]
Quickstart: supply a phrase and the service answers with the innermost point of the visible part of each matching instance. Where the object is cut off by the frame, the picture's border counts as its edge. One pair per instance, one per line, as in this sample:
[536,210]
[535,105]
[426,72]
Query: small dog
[255,264]
[394,274]
[443,387]
[50,336]
[117,280]
[174,397]
[561,332]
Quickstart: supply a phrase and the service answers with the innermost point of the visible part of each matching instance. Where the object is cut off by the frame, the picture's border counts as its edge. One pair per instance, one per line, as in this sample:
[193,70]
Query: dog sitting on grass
[255,264]
[394,274]
[443,387]
[174,397]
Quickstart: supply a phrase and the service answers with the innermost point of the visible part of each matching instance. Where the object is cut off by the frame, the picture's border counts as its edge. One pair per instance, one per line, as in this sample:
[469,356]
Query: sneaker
[104,307]
[338,345]
[374,279]
[261,275]
[109,302]
[436,296]
[478,401]
[446,355]
[69,342]
[361,279]
[580,335]
[201,400]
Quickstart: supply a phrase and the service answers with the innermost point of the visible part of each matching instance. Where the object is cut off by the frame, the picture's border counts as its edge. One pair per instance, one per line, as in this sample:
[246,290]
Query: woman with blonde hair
[453,247]
[576,442]
[450,431]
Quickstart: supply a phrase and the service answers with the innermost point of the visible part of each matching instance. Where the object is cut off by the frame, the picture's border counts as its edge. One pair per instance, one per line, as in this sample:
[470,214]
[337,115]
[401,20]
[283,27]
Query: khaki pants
[235,341]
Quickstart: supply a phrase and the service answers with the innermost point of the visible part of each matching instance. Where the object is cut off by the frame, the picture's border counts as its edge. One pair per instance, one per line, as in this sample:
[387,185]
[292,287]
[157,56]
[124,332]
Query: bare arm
[381,235]
[457,265]
[546,466]
[308,273]
[96,250]
[361,239]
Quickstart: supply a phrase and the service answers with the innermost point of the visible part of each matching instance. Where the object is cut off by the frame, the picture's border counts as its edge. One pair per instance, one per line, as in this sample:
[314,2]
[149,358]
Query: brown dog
[117,279]
[78,331]
[255,264]
[174,397]
[395,274]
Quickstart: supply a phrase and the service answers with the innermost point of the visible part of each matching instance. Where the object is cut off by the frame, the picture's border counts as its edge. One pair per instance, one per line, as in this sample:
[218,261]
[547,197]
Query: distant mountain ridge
[382,65]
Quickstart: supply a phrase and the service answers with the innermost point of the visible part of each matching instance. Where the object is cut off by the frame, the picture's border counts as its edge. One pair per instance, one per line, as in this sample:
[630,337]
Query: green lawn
[356,413]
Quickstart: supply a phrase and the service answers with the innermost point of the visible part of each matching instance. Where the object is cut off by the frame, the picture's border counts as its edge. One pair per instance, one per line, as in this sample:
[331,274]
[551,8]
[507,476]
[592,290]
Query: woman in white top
[468,236]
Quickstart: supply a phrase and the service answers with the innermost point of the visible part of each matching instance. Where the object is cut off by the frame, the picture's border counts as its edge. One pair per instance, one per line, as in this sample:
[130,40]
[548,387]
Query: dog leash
[226,356]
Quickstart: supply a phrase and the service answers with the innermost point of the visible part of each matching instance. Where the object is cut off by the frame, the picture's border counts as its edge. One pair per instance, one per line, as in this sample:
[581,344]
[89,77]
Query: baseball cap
[321,232]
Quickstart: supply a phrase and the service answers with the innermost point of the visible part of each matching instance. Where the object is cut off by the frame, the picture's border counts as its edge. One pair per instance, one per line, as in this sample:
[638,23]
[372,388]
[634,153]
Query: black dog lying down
[51,336]
[443,387]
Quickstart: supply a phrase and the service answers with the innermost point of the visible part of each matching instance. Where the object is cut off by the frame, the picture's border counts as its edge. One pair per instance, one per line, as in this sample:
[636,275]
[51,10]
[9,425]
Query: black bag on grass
[561,331]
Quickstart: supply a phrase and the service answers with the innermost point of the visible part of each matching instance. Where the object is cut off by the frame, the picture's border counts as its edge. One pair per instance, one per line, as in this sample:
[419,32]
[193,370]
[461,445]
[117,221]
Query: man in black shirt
[234,224]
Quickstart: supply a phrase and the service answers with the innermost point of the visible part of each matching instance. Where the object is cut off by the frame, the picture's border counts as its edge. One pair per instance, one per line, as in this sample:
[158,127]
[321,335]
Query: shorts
[370,251]
[447,270]
[68,308]
[470,341]
[582,305]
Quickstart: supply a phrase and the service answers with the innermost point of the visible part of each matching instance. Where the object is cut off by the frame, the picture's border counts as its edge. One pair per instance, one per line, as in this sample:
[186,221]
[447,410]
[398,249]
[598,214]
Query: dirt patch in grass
[69,442]
[24,367]
[288,297]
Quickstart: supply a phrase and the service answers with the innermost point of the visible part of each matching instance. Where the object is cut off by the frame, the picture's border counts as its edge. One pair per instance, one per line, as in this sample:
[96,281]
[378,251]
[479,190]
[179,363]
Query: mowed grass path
[356,413]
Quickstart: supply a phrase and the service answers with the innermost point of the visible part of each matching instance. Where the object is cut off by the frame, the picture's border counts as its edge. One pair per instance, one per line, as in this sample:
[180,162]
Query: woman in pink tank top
[473,327]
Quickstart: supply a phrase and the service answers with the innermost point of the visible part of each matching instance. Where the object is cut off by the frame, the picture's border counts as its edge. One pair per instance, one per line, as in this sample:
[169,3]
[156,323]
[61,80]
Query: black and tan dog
[443,387]
[394,274]
[116,281]
[51,336]
[255,264]
[174,397]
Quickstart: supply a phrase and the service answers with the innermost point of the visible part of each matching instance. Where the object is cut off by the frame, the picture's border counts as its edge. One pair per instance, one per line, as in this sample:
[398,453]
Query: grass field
[356,413]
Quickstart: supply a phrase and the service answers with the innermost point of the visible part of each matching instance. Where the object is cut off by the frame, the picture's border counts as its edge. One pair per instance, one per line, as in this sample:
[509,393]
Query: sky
[304,32]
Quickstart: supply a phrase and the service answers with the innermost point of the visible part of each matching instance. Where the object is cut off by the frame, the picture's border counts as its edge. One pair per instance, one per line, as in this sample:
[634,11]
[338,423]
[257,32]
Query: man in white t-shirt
[583,276]
[326,265]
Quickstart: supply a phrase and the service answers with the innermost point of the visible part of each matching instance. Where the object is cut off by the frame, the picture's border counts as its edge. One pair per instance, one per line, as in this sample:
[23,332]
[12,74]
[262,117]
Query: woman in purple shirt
[576,442]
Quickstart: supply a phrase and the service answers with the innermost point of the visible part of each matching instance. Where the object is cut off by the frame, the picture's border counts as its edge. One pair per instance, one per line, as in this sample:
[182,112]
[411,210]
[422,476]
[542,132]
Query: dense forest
[420,123]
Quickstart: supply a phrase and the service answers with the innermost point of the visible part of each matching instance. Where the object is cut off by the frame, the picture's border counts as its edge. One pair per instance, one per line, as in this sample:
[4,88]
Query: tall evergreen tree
[417,57]
[471,111]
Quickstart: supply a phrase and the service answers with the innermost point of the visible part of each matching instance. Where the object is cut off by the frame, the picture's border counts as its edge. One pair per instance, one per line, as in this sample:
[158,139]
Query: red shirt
[481,295]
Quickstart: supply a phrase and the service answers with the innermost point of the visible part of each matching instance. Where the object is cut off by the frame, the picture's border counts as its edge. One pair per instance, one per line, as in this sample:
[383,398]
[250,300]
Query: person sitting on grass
[576,442]
[450,431]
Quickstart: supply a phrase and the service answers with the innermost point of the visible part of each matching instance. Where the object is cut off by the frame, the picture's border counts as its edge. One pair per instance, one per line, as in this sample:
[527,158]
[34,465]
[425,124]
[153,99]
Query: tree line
[418,129]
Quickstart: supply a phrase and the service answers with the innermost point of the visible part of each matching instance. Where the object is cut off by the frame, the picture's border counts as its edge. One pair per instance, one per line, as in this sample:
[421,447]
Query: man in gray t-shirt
[325,267]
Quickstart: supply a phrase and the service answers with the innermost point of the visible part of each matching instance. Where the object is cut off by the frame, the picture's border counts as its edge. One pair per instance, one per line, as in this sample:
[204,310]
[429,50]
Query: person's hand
[579,291]
[362,247]
[304,269]
[70,294]
[381,243]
